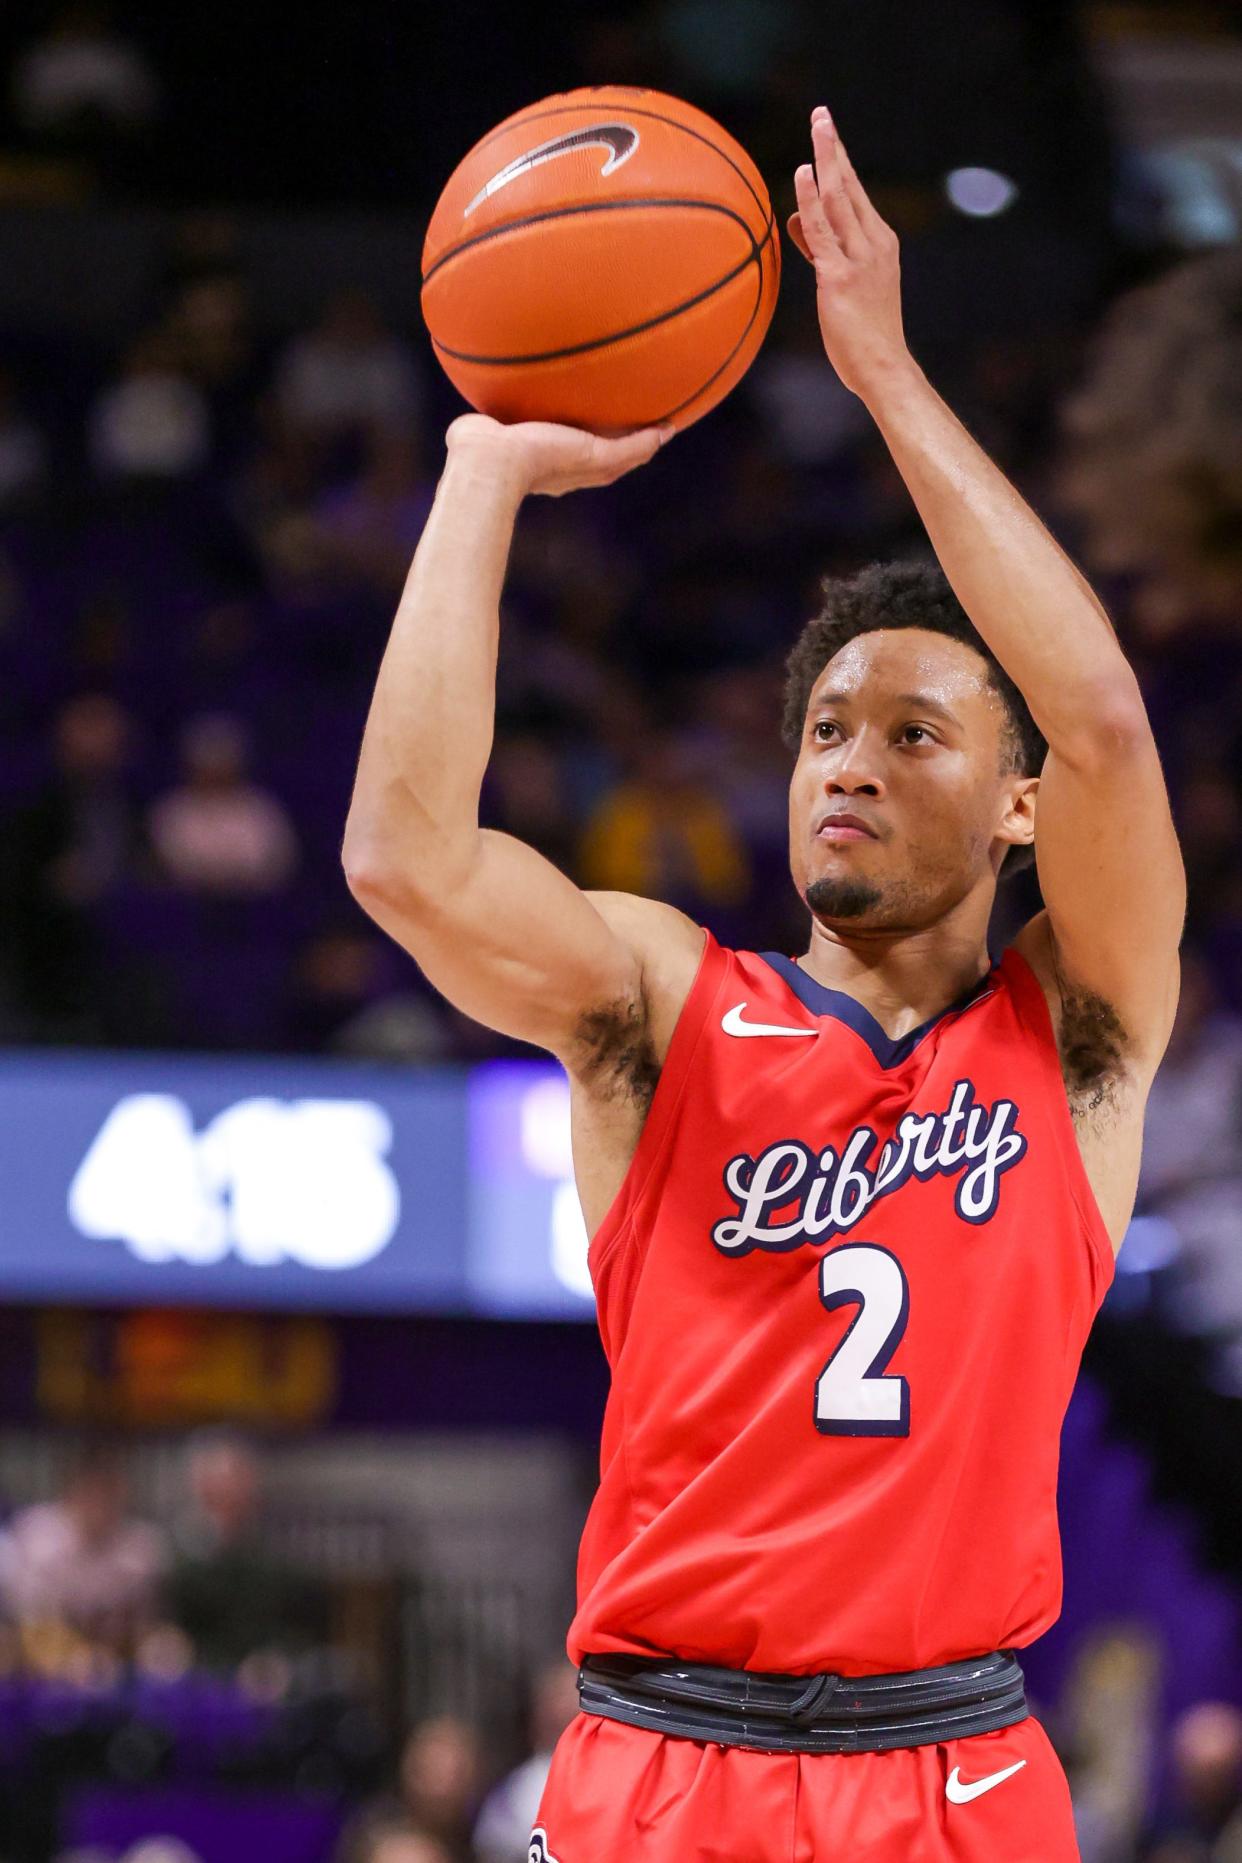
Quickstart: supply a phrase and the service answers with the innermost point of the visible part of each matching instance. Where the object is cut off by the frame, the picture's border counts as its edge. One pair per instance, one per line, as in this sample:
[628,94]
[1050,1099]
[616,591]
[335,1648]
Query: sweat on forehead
[907,605]
[903,664]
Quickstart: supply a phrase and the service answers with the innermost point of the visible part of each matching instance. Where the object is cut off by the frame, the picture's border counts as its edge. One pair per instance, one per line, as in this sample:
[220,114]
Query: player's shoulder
[659,935]
[632,911]
[668,947]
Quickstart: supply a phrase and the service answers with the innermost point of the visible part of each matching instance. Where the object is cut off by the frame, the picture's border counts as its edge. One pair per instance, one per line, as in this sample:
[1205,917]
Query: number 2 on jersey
[853,1397]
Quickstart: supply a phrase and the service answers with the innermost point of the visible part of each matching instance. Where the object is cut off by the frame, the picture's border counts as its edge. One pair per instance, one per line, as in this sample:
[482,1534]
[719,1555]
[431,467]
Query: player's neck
[903,978]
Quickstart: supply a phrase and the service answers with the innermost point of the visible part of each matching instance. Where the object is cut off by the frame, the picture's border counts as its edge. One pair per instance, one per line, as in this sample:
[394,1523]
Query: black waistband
[806,1713]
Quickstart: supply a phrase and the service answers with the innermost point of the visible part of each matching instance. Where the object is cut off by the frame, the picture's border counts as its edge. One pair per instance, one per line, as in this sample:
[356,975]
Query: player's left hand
[857,263]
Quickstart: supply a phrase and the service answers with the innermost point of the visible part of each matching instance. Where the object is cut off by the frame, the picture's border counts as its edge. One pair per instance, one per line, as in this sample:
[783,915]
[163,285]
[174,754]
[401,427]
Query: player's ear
[1017,825]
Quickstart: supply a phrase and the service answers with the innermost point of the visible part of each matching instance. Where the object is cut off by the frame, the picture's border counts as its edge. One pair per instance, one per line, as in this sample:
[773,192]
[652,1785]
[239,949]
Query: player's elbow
[373,867]
[368,876]
[1111,727]
[396,874]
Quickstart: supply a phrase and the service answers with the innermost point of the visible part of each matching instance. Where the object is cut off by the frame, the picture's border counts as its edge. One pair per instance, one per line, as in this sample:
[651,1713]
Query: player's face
[904,735]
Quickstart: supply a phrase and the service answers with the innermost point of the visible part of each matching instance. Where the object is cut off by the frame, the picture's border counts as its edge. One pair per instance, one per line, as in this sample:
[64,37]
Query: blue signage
[160,1179]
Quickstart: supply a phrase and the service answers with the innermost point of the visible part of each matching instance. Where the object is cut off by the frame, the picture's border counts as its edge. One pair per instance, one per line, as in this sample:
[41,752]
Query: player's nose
[856,769]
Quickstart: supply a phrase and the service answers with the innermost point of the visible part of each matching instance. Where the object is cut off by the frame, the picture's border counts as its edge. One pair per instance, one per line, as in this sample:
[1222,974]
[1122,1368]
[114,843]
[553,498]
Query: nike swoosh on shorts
[959,1794]
[733,1024]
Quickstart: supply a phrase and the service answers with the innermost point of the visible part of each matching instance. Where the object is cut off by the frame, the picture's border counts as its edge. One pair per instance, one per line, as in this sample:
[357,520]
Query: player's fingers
[793,227]
[833,187]
[613,457]
[870,219]
[821,241]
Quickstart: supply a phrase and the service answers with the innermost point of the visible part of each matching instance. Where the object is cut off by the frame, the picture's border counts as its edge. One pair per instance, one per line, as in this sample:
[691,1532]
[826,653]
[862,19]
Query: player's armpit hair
[616,1053]
[1093,1045]
[1092,1039]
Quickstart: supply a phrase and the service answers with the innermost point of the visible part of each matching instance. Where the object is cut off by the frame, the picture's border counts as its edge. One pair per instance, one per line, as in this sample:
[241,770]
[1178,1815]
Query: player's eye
[823,726]
[917,734]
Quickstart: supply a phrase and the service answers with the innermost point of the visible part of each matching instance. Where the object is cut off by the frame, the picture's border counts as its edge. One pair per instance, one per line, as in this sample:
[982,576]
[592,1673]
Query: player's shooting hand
[857,263]
[538,456]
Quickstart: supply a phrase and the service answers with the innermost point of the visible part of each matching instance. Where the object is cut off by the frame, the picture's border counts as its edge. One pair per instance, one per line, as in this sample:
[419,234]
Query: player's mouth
[844,825]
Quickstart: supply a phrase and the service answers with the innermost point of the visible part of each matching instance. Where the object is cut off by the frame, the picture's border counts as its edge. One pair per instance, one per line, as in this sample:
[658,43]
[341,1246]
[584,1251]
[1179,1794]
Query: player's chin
[833,897]
[853,856]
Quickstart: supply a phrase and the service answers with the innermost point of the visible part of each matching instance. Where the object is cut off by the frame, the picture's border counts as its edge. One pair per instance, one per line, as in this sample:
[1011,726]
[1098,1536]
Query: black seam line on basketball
[717,373]
[750,324]
[628,201]
[655,116]
[755,258]
[601,342]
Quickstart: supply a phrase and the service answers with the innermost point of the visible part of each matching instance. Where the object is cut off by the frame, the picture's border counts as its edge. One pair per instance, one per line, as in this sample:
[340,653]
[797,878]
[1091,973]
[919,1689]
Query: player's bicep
[1113,882]
[515,945]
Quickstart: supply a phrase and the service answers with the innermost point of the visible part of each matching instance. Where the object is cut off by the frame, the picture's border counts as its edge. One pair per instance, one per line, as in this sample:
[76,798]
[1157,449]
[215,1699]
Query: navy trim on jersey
[821,1001]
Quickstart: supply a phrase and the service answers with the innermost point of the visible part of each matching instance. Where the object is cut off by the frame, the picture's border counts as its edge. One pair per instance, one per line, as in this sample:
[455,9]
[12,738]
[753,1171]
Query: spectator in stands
[226,1594]
[1150,457]
[210,324]
[83,79]
[502,1833]
[152,425]
[348,375]
[1228,1846]
[1206,1796]
[160,1849]
[526,795]
[1209,820]
[219,652]
[81,1563]
[737,739]
[809,417]
[220,833]
[23,449]
[388,1836]
[366,531]
[343,1000]
[68,849]
[664,833]
[1191,1173]
[1172,1850]
[1105,1732]
[439,1780]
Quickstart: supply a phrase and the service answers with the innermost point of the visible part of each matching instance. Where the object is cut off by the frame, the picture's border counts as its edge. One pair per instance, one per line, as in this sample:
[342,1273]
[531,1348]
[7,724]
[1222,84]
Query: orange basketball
[607,258]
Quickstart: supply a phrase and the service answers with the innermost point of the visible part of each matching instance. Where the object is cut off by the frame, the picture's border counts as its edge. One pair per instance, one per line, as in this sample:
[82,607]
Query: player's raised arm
[1109,864]
[495,927]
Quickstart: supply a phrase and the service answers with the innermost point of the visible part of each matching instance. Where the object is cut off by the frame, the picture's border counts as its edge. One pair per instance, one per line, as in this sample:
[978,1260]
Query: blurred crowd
[200,550]
[146,1618]
[83,1582]
[187,1653]
[1138,1798]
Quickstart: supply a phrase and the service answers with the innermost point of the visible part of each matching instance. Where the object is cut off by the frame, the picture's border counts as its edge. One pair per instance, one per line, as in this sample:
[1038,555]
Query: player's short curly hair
[906,594]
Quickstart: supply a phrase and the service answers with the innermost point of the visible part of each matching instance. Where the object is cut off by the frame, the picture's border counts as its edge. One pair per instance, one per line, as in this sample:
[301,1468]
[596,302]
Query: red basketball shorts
[619,1794]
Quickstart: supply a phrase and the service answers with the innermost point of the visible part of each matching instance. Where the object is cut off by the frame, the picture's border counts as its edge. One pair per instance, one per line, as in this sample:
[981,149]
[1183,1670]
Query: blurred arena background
[299,1394]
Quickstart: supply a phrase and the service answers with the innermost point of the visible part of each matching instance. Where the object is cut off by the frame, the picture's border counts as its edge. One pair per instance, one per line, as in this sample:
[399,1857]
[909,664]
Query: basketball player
[851,1215]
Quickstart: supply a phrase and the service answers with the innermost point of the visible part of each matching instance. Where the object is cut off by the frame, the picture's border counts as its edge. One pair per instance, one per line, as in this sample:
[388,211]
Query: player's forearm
[429,732]
[1035,610]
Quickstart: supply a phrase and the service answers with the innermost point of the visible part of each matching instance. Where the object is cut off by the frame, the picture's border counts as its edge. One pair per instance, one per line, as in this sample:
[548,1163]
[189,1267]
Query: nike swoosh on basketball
[733,1024]
[959,1794]
[618,138]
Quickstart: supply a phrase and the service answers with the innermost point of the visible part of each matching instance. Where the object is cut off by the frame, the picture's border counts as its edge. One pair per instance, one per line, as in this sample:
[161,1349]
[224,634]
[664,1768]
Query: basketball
[606,258]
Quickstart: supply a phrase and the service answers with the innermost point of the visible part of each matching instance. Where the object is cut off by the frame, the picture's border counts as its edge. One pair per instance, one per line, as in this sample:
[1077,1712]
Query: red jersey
[843,1290]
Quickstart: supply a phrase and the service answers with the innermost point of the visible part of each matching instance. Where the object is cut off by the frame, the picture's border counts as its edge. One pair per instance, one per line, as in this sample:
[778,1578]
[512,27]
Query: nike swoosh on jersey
[959,1794]
[732,1024]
